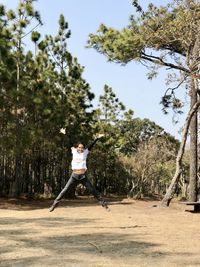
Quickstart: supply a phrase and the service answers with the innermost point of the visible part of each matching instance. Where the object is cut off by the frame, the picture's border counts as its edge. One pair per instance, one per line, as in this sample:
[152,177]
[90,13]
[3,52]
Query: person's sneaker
[104,204]
[53,206]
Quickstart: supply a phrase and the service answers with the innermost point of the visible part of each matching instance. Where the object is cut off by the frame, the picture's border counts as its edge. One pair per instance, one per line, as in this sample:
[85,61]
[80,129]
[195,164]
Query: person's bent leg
[70,182]
[95,193]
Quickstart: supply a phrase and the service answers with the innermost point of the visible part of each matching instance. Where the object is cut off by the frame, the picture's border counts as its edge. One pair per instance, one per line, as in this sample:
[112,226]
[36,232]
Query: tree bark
[193,146]
[194,64]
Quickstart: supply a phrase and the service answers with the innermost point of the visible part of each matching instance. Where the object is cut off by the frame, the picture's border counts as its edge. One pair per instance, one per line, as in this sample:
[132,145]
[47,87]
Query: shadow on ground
[70,246]
[32,204]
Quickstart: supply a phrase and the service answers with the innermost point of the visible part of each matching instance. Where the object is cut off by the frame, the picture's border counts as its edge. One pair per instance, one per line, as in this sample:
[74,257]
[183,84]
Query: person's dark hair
[79,143]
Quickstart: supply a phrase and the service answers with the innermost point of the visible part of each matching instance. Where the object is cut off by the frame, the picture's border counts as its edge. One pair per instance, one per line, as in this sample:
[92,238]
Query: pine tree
[161,37]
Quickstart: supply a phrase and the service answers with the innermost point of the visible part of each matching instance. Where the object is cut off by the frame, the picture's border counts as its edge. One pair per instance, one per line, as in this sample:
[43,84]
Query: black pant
[76,179]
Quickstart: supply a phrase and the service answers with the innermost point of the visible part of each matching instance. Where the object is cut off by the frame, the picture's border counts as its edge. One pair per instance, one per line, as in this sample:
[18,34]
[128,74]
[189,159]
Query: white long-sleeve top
[79,159]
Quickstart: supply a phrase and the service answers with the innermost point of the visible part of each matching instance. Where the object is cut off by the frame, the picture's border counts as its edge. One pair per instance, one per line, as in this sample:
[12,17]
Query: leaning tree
[169,37]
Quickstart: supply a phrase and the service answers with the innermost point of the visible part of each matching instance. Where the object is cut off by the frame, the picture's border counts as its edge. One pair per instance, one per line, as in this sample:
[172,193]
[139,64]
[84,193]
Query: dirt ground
[80,233]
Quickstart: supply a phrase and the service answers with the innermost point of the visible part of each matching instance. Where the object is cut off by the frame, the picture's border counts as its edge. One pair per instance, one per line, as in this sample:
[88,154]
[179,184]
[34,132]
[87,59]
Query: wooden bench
[195,204]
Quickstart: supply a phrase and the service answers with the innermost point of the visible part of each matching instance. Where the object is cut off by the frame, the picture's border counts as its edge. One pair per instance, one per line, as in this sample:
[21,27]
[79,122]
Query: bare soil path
[81,233]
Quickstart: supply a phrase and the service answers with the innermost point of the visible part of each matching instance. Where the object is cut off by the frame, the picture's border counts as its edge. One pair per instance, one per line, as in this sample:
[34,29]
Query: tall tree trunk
[193,145]
[16,184]
[172,188]
[194,63]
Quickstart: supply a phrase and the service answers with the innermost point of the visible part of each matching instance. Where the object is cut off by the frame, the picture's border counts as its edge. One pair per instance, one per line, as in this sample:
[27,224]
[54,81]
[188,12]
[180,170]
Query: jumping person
[79,173]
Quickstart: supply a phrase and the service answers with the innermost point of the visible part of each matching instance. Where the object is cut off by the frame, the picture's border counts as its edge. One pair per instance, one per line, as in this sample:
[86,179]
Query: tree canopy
[164,36]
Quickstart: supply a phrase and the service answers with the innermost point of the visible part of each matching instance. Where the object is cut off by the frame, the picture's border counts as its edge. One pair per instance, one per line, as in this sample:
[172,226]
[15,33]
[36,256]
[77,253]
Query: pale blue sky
[128,82]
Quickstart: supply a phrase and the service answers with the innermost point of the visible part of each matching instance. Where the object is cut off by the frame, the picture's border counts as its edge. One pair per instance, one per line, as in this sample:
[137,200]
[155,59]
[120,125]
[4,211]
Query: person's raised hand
[63,131]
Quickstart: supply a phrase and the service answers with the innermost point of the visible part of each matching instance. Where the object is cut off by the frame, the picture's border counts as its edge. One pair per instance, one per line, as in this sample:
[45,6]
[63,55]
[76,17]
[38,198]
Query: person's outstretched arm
[90,146]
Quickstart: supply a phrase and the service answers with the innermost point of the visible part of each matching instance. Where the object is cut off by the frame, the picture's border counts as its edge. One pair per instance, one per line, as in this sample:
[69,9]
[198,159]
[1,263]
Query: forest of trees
[42,91]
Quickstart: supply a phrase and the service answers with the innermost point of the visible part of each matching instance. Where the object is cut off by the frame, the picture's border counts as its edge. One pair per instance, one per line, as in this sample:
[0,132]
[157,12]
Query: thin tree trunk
[193,145]
[194,63]
[172,188]
[17,188]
